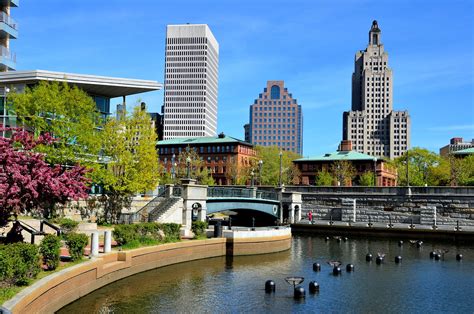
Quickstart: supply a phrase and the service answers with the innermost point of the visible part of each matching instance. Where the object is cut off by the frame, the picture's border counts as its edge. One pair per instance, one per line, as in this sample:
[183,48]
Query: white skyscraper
[191,75]
[372,125]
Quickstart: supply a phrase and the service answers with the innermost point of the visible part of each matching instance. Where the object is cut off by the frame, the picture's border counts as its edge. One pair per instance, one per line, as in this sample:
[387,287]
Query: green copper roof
[203,140]
[350,155]
[466,151]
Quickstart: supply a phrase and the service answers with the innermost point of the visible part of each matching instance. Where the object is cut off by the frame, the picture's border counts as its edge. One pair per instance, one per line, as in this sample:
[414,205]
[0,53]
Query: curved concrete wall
[59,289]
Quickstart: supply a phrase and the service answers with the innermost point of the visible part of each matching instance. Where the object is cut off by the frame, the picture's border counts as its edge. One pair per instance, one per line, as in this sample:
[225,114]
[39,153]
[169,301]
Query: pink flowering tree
[30,185]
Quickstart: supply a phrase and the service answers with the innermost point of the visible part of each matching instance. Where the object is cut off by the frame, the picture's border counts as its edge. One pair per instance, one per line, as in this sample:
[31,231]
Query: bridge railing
[228,192]
[240,192]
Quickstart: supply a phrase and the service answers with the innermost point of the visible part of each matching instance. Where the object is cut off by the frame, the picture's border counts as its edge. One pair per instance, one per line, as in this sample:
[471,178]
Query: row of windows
[186,40]
[185,105]
[168,81]
[186,47]
[171,95]
[185,64]
[183,134]
[187,99]
[256,108]
[187,53]
[185,87]
[185,110]
[274,131]
[275,102]
[186,70]
[184,116]
[279,114]
[274,120]
[280,126]
[201,149]
[186,122]
[185,76]
[274,137]
[168,59]
[279,144]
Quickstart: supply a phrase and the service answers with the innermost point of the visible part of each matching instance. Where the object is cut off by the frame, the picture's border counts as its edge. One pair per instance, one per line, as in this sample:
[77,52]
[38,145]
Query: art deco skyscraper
[191,75]
[372,125]
[276,119]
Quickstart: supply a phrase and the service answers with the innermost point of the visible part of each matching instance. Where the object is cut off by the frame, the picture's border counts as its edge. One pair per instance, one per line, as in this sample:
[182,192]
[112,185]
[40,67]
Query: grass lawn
[9,292]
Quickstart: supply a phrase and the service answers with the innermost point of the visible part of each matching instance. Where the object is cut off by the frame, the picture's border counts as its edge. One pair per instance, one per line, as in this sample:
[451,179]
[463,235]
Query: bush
[68,225]
[172,231]
[76,242]
[199,228]
[147,233]
[124,234]
[19,262]
[49,250]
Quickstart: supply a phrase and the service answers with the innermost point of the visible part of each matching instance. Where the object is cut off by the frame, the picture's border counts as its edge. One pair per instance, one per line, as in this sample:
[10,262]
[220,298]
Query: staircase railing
[135,216]
[161,208]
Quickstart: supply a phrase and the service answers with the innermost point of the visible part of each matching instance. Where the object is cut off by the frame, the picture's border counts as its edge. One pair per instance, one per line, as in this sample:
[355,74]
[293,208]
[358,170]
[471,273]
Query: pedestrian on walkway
[310,216]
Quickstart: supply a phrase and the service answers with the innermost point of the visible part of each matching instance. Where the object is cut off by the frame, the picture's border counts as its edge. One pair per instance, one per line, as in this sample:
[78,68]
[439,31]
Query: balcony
[7,59]
[8,26]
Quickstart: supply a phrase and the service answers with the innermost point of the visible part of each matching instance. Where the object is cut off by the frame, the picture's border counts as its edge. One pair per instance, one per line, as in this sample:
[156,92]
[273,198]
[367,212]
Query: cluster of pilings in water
[299,292]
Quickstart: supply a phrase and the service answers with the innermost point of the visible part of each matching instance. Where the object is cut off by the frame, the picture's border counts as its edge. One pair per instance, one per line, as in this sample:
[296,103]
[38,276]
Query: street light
[279,178]
[252,175]
[4,123]
[173,165]
[375,171]
[408,178]
[188,165]
[260,165]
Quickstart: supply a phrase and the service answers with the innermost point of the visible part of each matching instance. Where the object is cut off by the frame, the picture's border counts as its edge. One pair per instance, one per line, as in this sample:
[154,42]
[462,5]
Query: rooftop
[221,139]
[339,155]
[467,151]
[92,84]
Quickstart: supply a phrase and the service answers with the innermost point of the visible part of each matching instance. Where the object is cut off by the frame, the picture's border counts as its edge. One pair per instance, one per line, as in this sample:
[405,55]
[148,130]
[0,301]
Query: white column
[354,206]
[94,244]
[107,241]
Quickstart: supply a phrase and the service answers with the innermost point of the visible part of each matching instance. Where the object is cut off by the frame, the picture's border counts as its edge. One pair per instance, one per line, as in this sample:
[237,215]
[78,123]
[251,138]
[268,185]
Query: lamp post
[252,174]
[4,122]
[173,165]
[408,177]
[188,166]
[260,165]
[375,171]
[279,177]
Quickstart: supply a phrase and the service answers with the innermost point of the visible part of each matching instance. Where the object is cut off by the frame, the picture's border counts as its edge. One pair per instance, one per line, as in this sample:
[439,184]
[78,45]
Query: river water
[219,285]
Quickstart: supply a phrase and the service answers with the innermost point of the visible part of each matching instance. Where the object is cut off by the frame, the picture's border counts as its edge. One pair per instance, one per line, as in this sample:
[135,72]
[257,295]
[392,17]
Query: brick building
[224,156]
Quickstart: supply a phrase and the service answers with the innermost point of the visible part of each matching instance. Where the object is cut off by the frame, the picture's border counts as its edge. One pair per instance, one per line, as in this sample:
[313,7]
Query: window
[275,92]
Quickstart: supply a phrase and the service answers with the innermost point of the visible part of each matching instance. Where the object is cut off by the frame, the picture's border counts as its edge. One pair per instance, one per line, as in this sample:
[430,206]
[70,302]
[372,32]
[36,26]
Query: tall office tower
[276,119]
[8,30]
[191,74]
[372,125]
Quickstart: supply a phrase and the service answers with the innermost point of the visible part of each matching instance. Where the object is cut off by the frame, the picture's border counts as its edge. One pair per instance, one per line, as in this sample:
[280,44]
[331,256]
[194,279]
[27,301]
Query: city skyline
[317,65]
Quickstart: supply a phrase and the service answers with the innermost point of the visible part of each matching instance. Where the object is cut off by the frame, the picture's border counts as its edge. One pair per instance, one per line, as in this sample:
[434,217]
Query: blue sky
[309,44]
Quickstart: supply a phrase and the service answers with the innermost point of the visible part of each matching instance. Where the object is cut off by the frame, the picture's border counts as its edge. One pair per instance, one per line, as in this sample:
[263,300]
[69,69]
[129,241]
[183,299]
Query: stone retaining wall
[59,289]
[401,208]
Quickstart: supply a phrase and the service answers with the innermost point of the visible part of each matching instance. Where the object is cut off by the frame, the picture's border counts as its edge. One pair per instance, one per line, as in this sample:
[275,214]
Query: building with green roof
[361,163]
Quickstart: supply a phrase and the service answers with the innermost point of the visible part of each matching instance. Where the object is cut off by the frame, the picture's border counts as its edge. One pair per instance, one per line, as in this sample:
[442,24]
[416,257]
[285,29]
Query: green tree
[343,171]
[270,155]
[422,165]
[367,179]
[463,172]
[65,112]
[324,178]
[132,160]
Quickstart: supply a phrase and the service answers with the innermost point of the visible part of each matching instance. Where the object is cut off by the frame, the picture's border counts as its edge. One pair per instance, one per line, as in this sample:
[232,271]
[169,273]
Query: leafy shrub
[49,250]
[19,262]
[199,228]
[172,231]
[124,234]
[68,225]
[147,233]
[76,242]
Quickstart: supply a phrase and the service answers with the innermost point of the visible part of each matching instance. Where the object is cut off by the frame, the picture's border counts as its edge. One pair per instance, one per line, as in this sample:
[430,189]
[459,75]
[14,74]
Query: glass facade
[275,92]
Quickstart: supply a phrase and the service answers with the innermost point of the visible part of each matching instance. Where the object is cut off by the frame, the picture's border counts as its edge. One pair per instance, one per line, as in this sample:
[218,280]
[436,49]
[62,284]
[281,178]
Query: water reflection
[228,285]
